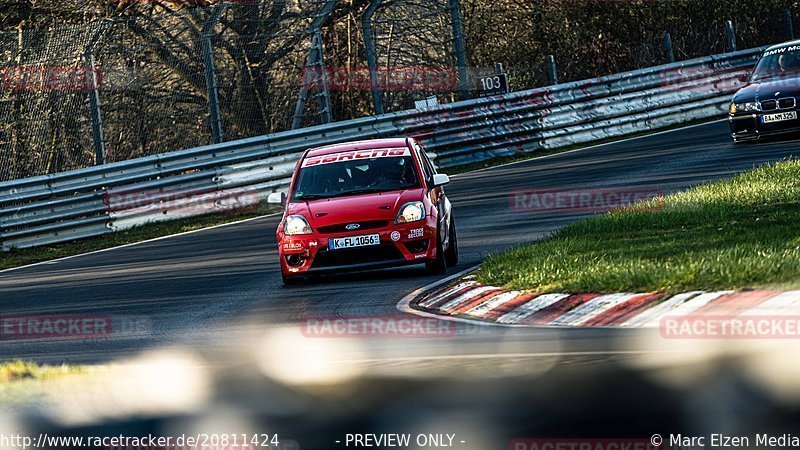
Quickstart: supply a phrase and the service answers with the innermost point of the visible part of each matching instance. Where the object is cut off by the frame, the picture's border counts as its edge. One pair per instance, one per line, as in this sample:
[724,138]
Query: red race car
[365,205]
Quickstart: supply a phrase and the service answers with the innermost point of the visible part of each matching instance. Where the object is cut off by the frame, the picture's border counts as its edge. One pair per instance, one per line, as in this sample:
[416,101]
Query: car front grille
[769,105]
[787,103]
[783,103]
[362,226]
[327,258]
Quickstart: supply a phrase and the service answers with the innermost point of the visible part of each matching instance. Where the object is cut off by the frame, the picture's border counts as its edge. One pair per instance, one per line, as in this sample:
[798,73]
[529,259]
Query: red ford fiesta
[365,205]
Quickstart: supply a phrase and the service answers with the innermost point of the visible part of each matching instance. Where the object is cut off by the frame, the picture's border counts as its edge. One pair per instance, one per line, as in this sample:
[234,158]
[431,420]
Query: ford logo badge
[353,226]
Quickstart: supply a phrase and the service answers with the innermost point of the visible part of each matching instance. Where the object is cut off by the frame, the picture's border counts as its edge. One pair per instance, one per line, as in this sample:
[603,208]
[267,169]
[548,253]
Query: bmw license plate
[355,241]
[780,117]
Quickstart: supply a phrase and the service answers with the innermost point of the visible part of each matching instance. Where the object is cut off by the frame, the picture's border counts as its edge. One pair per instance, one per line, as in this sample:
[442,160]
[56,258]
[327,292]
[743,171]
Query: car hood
[769,89]
[360,208]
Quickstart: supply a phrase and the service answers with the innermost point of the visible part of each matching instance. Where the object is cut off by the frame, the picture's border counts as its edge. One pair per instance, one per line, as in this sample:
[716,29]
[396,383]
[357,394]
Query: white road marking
[592,308]
[427,303]
[485,307]
[529,308]
[782,304]
[509,355]
[472,293]
[690,306]
[660,309]
[132,244]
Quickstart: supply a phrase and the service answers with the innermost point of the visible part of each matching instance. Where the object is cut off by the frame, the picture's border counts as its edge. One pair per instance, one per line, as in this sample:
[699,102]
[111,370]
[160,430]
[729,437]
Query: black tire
[291,281]
[439,265]
[451,256]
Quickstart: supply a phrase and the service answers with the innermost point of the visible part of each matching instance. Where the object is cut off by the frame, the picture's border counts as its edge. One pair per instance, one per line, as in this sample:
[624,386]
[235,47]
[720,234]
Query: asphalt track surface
[211,287]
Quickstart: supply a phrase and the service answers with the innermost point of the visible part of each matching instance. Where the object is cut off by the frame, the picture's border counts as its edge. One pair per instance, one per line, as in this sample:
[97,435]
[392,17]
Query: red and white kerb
[356,155]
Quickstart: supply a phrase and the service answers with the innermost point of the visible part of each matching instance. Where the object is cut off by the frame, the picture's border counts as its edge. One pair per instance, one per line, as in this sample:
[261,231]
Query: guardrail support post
[731,34]
[211,74]
[372,56]
[552,71]
[789,24]
[461,48]
[669,53]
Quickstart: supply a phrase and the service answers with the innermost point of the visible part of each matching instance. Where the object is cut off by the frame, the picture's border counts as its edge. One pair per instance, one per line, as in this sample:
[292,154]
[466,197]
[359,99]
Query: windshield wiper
[348,193]
[363,191]
[375,190]
[312,197]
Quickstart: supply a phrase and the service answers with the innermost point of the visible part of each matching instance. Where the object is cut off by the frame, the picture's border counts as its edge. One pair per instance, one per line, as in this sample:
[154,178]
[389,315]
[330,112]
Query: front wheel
[439,265]
[451,256]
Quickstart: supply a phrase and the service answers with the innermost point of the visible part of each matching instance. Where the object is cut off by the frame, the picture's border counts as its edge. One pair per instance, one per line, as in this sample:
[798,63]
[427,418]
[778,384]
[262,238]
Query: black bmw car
[768,104]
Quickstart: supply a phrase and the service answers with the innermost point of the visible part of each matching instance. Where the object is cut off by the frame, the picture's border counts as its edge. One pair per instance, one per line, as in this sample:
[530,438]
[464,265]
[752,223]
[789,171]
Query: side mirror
[744,77]
[277,198]
[440,179]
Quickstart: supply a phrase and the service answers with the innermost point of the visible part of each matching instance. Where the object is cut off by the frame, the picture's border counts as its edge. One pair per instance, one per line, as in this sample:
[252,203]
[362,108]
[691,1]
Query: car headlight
[744,107]
[410,212]
[296,225]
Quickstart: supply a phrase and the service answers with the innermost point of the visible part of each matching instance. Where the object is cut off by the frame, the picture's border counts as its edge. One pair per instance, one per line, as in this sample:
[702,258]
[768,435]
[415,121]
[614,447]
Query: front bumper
[751,127]
[400,245]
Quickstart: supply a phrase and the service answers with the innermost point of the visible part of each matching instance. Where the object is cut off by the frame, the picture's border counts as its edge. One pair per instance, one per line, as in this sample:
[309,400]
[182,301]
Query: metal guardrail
[90,202]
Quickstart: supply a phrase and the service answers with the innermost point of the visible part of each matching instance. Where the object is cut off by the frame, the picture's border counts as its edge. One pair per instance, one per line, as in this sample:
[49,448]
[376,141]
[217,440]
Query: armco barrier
[98,200]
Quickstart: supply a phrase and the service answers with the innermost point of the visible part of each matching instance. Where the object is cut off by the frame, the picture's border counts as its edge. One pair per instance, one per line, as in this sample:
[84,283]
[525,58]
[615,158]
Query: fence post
[324,101]
[94,110]
[316,65]
[211,74]
[93,87]
[372,56]
[668,50]
[552,72]
[731,34]
[789,23]
[461,48]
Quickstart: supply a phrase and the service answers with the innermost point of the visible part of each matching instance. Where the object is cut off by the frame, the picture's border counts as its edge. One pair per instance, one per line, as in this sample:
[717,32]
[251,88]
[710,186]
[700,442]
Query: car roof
[372,144]
[785,44]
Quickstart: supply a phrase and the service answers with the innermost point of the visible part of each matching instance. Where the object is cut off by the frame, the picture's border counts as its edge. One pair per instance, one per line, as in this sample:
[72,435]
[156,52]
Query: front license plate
[355,241]
[780,117]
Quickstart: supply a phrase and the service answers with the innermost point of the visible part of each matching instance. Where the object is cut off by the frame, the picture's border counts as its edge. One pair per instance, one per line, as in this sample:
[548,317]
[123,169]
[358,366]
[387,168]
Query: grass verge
[738,233]
[21,257]
[23,370]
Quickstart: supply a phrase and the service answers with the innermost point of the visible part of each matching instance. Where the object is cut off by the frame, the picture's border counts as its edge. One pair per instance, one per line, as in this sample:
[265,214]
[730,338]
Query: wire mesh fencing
[261,50]
[44,115]
[414,53]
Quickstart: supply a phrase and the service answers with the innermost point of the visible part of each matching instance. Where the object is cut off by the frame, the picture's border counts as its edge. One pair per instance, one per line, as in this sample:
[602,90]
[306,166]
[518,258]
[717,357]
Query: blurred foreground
[488,387]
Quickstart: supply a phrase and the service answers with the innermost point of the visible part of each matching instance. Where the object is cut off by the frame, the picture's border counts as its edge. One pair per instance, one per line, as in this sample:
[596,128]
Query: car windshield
[353,173]
[778,63]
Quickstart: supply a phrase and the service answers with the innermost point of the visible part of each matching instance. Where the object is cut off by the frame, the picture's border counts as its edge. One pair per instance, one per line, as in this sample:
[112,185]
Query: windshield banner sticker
[356,155]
